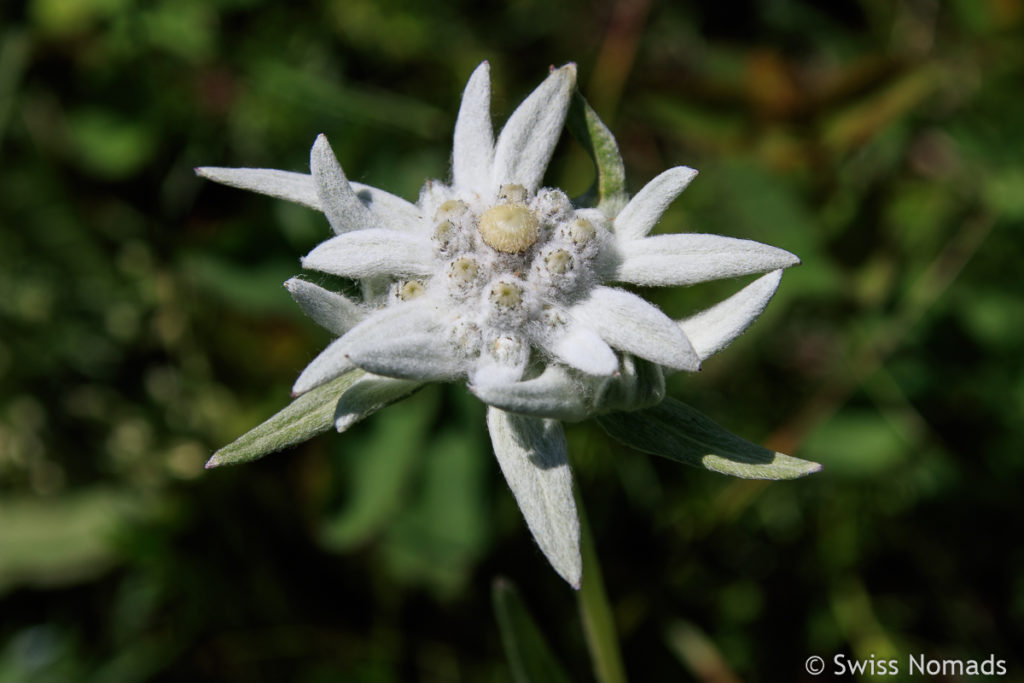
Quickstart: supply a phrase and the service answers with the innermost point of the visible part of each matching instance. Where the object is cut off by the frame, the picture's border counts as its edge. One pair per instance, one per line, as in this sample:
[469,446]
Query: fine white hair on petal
[328,309]
[689,258]
[532,454]
[490,372]
[420,356]
[473,146]
[365,253]
[633,325]
[288,185]
[647,206]
[582,348]
[340,204]
[329,364]
[390,211]
[367,395]
[712,330]
[554,394]
[404,340]
[528,139]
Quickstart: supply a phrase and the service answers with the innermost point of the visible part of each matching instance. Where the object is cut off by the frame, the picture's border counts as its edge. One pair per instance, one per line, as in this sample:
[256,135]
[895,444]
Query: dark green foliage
[143,326]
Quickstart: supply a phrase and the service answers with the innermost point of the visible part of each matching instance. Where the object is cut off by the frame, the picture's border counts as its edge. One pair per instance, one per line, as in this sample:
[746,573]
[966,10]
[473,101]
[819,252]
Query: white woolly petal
[491,372]
[367,395]
[712,330]
[532,455]
[582,348]
[328,309]
[340,204]
[294,187]
[365,253]
[404,341]
[554,394]
[631,324]
[645,209]
[689,258]
[390,211]
[473,148]
[529,137]
[329,364]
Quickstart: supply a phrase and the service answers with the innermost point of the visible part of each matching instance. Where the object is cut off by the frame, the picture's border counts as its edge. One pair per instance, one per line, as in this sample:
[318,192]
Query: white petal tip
[686,364]
[345,421]
[320,152]
[568,67]
[569,568]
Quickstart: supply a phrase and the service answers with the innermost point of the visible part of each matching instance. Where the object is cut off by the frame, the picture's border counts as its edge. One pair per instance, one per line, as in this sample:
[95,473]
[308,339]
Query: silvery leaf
[676,431]
[590,131]
[529,656]
[304,418]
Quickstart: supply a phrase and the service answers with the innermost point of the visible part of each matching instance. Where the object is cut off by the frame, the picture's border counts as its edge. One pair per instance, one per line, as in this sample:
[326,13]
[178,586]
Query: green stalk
[596,611]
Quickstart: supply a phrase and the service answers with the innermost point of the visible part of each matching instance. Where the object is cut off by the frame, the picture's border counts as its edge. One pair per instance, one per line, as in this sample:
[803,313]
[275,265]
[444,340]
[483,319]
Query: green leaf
[305,417]
[676,431]
[596,610]
[591,132]
[528,654]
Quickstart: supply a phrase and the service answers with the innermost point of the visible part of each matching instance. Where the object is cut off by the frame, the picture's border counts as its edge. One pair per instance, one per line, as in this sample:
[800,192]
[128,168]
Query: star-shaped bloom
[510,287]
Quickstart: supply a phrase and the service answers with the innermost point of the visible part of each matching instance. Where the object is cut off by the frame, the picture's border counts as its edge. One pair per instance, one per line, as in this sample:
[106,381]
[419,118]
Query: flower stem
[596,611]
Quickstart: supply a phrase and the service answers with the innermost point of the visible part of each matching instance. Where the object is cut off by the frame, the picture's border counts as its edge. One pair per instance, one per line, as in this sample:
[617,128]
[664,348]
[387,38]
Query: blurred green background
[143,325]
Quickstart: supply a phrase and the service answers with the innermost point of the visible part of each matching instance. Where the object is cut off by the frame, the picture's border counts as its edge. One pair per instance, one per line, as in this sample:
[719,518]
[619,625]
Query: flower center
[509,228]
[464,270]
[506,294]
[581,231]
[410,290]
[558,261]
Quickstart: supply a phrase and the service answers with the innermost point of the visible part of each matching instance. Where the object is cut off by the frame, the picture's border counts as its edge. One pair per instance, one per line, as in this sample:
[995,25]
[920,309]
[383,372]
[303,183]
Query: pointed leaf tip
[305,417]
[676,431]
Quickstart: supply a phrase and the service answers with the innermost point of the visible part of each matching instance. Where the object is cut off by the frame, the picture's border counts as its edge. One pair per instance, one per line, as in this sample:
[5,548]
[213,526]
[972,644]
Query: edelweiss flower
[504,284]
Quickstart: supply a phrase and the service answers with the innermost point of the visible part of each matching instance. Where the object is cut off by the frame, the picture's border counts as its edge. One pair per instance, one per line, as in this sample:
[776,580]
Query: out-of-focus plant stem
[596,611]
